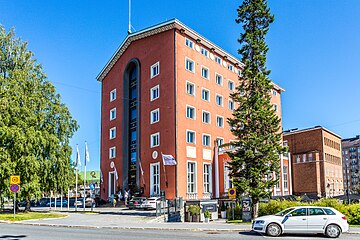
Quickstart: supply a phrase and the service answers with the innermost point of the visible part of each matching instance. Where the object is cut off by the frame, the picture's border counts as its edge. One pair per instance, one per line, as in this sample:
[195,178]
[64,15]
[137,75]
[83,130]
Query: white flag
[87,157]
[141,169]
[101,177]
[78,162]
[168,159]
[116,175]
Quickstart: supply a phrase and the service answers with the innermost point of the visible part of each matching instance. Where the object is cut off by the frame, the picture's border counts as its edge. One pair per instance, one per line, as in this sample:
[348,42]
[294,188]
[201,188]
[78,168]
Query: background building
[166,90]
[351,163]
[316,162]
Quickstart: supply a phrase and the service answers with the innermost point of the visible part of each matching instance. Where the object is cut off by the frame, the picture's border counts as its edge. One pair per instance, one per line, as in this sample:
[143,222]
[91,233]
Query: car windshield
[284,212]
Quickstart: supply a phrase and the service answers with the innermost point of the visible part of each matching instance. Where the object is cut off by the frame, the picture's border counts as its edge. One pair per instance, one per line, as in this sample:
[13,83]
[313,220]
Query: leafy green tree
[35,127]
[254,123]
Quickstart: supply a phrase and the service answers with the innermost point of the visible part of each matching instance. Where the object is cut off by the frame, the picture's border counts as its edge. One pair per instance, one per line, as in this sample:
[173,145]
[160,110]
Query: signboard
[14,179]
[232,193]
[246,209]
[92,186]
[14,188]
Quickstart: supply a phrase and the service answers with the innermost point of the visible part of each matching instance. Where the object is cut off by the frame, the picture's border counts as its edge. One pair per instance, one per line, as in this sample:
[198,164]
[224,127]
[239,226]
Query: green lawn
[29,216]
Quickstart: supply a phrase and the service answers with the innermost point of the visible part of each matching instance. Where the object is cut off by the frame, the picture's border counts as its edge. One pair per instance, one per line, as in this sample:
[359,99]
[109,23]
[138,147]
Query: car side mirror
[289,215]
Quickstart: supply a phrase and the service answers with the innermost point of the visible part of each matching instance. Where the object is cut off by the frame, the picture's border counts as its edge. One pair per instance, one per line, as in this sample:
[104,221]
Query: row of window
[205,53]
[331,143]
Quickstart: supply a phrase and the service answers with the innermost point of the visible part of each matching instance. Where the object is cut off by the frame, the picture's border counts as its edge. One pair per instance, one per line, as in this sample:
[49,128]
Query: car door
[296,221]
[316,219]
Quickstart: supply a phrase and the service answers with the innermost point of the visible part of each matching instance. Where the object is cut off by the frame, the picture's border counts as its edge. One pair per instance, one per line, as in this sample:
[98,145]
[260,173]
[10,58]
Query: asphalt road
[26,232]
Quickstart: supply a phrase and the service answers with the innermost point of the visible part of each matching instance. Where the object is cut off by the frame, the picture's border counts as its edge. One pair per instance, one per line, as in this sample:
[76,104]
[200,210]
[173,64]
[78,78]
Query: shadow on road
[10,237]
[250,233]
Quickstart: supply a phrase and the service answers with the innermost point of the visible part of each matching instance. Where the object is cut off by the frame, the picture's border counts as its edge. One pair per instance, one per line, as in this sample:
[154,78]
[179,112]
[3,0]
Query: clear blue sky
[314,52]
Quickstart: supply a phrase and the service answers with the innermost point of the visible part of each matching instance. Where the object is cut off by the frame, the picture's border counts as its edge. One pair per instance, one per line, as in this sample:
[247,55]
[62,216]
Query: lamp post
[347,183]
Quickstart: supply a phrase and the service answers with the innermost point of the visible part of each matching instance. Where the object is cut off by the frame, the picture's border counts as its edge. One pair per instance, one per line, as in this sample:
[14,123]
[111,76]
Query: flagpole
[76,187]
[84,185]
[166,183]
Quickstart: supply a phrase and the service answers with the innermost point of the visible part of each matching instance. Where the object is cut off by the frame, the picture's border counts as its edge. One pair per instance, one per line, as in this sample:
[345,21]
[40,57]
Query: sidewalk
[122,218]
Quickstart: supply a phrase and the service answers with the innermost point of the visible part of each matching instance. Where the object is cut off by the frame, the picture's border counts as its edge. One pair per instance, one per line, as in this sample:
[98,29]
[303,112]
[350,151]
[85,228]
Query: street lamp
[347,183]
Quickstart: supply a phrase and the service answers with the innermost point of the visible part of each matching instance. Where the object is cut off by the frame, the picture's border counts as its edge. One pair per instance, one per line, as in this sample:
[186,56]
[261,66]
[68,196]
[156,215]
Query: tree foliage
[35,127]
[254,123]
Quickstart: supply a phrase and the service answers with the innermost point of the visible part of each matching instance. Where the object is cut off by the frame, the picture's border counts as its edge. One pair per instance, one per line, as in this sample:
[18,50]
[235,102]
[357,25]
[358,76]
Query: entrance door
[155,179]
[111,184]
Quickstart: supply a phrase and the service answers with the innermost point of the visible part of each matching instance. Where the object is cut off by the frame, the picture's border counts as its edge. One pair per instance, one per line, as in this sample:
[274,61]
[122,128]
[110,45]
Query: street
[27,232]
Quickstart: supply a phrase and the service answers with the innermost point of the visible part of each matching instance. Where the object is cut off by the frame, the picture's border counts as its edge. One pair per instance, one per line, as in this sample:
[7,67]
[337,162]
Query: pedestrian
[119,195]
[114,202]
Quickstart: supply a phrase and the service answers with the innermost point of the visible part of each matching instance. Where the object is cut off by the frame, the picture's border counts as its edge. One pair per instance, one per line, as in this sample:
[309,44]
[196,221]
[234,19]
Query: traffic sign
[14,179]
[232,193]
[14,188]
[92,186]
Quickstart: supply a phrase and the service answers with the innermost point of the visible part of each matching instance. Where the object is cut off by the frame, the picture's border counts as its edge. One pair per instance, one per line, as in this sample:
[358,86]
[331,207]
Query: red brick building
[166,90]
[316,162]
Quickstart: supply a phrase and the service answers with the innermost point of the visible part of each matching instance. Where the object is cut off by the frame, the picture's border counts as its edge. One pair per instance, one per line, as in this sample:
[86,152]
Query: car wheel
[333,231]
[273,230]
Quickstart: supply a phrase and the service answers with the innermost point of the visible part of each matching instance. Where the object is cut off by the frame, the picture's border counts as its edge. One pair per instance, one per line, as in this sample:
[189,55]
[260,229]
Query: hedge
[351,211]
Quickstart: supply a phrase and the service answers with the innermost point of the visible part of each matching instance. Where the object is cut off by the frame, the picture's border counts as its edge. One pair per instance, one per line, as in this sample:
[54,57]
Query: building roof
[165,26]
[161,27]
[350,142]
[295,131]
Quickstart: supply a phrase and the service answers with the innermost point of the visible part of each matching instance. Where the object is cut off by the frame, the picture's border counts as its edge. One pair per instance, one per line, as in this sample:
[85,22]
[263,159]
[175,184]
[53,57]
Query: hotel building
[166,91]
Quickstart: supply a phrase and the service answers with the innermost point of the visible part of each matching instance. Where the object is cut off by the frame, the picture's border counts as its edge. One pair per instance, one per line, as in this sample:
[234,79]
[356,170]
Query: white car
[150,203]
[303,219]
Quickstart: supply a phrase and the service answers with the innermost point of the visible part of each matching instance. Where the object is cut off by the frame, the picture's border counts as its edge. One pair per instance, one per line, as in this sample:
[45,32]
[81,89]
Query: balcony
[191,196]
[207,195]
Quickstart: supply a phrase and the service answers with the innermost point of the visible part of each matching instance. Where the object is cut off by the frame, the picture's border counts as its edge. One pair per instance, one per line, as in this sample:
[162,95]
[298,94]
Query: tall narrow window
[205,72]
[154,93]
[218,60]
[189,43]
[231,104]
[112,133]
[205,117]
[219,121]
[155,70]
[112,114]
[207,178]
[231,85]
[112,152]
[190,88]
[155,140]
[190,112]
[190,136]
[219,100]
[155,179]
[285,175]
[206,140]
[218,79]
[204,52]
[155,116]
[205,95]
[191,177]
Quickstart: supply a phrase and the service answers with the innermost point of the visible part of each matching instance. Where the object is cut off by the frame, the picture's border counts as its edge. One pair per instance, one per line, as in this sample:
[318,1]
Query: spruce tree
[254,123]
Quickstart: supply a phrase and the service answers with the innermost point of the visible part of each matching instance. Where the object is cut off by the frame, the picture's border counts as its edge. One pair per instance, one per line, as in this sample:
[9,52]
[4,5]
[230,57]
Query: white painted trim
[151,97]
[194,65]
[155,110]
[151,68]
[194,108]
[188,130]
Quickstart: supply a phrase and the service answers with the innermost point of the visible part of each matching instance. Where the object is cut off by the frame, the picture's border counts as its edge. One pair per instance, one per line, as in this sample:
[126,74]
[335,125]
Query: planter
[207,220]
[196,218]
[223,214]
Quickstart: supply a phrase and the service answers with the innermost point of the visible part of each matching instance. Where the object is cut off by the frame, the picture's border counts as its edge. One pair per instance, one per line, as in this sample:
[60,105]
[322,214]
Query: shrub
[237,212]
[207,214]
[194,210]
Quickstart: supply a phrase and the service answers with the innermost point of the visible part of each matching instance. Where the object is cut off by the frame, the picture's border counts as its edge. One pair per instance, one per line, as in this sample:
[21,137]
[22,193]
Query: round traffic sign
[14,187]
[232,192]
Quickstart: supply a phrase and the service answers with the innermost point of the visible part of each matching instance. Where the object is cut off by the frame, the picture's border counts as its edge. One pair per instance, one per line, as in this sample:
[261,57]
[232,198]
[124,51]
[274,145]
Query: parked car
[33,203]
[88,202]
[303,219]
[137,202]
[58,203]
[151,203]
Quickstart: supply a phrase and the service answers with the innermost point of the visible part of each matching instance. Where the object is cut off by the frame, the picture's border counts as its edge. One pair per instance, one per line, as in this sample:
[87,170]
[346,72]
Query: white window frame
[152,144]
[187,176]
[190,60]
[285,177]
[157,193]
[217,123]
[210,178]
[222,100]
[207,90]
[220,138]
[232,103]
[227,179]
[208,72]
[233,85]
[230,66]
[204,52]
[190,43]
[113,95]
[112,130]
[218,58]
[194,111]
[113,110]
[275,106]
[151,92]
[202,117]
[155,65]
[190,131]
[202,140]
[152,121]
[194,87]
[216,78]
[274,92]
[112,150]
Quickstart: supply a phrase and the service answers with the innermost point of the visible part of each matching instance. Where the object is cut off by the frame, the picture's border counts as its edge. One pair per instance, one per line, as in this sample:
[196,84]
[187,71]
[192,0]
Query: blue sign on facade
[92,186]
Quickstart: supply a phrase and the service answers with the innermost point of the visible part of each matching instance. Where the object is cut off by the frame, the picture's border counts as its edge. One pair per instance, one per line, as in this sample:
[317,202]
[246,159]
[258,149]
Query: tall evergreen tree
[35,127]
[254,123]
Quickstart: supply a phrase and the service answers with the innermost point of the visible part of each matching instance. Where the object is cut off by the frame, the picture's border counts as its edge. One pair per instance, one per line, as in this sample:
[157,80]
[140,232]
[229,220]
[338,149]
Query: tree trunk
[255,208]
[27,206]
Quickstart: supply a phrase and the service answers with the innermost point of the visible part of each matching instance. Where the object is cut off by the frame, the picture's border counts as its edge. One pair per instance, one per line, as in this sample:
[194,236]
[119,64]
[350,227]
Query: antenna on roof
[129,29]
